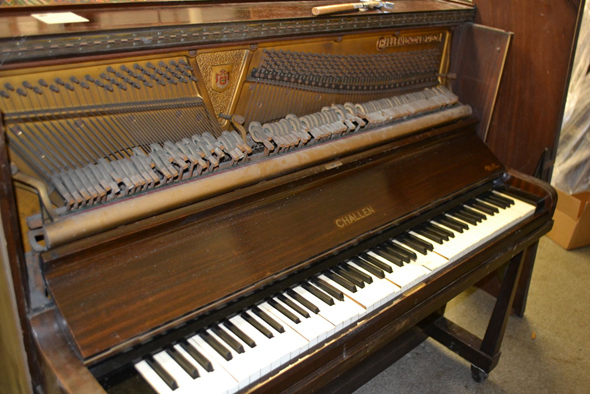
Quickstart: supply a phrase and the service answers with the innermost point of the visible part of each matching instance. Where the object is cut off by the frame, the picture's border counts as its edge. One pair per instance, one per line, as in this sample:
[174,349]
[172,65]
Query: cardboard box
[572,220]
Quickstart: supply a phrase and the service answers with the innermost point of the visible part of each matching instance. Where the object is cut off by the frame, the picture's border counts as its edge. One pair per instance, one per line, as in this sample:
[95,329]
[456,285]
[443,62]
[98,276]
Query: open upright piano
[247,197]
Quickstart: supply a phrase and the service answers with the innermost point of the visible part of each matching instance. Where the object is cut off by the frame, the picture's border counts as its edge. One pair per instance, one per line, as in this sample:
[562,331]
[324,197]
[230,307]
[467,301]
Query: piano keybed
[240,350]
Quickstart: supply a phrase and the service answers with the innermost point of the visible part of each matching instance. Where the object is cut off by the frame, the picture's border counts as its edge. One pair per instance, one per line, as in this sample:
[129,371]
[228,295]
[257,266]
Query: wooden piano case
[92,306]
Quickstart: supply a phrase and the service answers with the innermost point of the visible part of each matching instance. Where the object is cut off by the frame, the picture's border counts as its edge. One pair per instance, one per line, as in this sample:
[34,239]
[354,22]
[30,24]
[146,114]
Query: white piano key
[341,314]
[153,378]
[218,381]
[314,328]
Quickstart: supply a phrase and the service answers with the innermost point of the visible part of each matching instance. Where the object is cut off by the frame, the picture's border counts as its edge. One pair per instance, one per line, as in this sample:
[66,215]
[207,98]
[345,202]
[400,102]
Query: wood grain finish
[477,58]
[158,275]
[63,371]
[529,109]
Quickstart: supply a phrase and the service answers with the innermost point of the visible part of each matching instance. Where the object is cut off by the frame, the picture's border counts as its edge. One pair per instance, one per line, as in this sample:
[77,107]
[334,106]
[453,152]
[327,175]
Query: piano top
[116,291]
[19,22]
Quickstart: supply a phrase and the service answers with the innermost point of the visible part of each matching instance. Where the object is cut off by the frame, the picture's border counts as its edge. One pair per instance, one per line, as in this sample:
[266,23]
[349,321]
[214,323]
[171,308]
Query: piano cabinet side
[62,370]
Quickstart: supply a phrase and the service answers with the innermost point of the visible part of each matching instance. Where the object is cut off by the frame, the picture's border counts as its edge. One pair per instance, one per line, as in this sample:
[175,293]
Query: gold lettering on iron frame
[398,41]
[353,217]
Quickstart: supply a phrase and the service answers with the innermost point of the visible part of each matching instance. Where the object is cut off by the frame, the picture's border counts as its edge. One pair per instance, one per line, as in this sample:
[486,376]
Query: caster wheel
[478,374]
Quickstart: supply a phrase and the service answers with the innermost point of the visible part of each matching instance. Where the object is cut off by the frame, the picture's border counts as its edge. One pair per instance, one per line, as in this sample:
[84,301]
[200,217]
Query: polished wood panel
[63,371]
[137,15]
[529,109]
[477,58]
[158,275]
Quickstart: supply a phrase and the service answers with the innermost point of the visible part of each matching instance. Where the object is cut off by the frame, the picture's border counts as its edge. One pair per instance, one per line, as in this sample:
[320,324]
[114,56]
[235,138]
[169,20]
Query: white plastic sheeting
[572,167]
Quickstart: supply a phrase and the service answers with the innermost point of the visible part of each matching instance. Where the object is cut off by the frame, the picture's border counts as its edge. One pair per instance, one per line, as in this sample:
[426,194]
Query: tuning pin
[74,80]
[109,88]
[111,70]
[136,85]
[54,88]
[173,63]
[27,85]
[162,64]
[119,75]
[105,76]
[69,86]
[59,81]
[148,84]
[4,94]
[137,67]
[150,65]
[37,90]
[98,82]
[9,87]
[89,78]
[125,68]
[85,85]
[183,62]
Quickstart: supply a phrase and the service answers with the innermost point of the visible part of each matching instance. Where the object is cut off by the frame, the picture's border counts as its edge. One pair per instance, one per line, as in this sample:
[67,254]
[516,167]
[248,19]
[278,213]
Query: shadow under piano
[220,198]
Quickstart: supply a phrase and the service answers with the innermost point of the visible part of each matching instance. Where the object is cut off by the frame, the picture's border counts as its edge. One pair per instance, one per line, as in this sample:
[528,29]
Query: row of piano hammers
[202,153]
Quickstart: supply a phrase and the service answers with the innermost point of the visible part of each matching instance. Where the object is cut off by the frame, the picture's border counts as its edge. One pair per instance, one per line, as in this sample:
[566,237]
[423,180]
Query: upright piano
[253,197]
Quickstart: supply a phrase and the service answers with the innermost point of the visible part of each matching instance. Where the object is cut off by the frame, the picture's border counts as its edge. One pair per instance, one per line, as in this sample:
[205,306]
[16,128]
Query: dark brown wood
[63,371]
[524,283]
[528,112]
[132,16]
[213,255]
[477,58]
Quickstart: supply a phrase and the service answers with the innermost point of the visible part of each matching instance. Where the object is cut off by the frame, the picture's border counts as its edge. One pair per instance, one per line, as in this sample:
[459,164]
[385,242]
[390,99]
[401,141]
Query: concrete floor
[547,351]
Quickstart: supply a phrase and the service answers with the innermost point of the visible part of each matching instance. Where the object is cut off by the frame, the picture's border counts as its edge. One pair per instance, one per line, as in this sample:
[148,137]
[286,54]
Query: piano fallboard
[117,296]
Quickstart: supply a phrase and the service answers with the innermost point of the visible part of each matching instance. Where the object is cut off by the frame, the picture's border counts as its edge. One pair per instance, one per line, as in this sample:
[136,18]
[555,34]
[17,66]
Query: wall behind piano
[529,108]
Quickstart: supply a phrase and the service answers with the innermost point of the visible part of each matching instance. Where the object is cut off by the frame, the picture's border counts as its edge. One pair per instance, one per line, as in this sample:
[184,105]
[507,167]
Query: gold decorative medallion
[220,77]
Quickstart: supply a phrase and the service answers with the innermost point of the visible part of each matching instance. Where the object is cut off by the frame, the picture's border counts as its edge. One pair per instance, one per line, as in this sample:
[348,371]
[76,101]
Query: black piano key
[488,198]
[404,258]
[429,227]
[341,281]
[351,278]
[218,347]
[239,333]
[293,305]
[383,252]
[358,273]
[194,353]
[183,362]
[328,288]
[284,311]
[426,244]
[265,331]
[162,373]
[225,337]
[440,230]
[346,269]
[453,224]
[430,235]
[370,268]
[469,211]
[506,199]
[268,320]
[409,253]
[485,208]
[318,293]
[303,301]
[419,247]
[376,262]
[500,199]
[465,218]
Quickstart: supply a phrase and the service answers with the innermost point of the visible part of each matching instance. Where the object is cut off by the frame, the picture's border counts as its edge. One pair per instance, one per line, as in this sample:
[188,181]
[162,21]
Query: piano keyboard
[238,351]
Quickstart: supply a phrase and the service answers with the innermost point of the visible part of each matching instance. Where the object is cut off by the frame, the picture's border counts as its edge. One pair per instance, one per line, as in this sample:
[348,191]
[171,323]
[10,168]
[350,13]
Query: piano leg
[524,282]
[482,354]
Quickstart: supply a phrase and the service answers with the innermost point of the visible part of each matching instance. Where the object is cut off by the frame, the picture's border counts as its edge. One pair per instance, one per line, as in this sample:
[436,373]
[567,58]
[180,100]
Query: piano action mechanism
[259,202]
